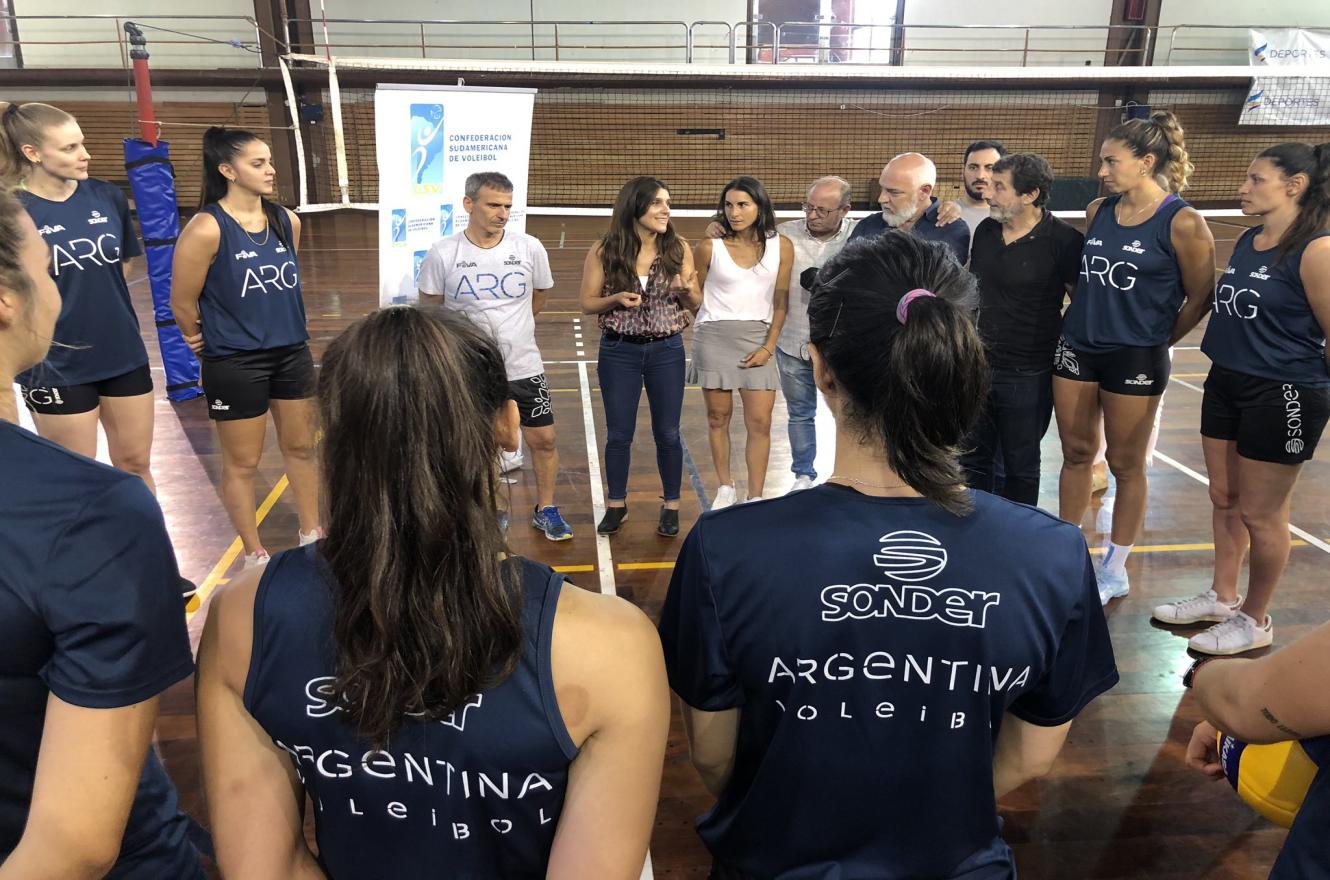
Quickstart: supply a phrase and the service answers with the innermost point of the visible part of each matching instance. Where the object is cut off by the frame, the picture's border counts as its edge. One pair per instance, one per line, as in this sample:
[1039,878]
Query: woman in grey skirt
[745,280]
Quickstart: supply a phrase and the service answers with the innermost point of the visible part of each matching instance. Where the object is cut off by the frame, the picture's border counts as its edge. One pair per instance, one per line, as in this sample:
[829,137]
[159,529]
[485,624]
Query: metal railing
[159,34]
[708,41]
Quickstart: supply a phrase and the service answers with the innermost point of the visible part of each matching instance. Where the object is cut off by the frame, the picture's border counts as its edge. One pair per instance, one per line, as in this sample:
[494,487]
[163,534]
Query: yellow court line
[215,576]
[1189,375]
[572,568]
[638,566]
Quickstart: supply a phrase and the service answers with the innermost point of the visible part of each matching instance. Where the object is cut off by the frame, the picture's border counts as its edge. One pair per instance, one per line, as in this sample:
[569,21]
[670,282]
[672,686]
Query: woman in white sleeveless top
[745,280]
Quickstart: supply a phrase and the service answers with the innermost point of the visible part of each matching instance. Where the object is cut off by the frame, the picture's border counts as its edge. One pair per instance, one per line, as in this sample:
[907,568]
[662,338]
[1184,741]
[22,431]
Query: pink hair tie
[903,307]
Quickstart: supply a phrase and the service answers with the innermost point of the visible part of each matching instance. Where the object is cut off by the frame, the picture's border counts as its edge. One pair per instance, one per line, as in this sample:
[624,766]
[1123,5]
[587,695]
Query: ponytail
[1314,203]
[24,125]
[1160,136]
[915,387]
[220,147]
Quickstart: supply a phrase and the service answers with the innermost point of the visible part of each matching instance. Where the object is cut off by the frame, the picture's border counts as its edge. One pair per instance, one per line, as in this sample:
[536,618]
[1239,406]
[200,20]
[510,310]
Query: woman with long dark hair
[1147,276]
[91,624]
[235,292]
[97,370]
[888,631]
[1267,397]
[745,281]
[640,283]
[451,709]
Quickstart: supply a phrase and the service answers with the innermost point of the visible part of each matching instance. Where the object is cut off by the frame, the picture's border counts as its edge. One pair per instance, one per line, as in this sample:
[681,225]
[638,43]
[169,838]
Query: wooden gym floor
[1120,801]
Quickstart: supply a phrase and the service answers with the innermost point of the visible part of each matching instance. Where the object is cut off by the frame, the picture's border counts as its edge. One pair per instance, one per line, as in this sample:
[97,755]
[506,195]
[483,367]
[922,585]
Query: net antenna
[790,124]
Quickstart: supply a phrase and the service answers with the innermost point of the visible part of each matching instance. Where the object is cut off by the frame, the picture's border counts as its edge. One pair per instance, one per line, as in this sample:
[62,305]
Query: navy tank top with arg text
[476,794]
[1262,323]
[251,298]
[1130,287]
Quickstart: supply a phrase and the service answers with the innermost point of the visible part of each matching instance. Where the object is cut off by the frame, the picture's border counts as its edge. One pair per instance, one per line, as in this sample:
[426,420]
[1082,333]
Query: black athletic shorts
[68,400]
[240,386]
[1138,371]
[1273,421]
[533,401]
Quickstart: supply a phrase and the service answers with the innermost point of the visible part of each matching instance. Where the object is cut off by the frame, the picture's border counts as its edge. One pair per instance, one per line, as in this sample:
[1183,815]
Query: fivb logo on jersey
[908,558]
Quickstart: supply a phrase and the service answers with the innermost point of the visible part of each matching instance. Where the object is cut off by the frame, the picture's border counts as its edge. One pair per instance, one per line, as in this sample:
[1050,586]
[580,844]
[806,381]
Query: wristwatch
[1189,677]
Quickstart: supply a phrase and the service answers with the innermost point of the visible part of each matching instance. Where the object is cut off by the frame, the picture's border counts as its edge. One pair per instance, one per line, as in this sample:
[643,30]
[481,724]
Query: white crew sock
[1115,558]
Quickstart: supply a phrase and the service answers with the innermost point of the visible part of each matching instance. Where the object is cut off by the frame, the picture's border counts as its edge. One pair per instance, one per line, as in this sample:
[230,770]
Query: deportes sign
[1285,101]
[429,140]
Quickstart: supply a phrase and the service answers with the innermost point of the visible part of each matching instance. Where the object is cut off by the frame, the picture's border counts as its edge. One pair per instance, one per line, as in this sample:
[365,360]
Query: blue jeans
[623,369]
[1014,421]
[796,381]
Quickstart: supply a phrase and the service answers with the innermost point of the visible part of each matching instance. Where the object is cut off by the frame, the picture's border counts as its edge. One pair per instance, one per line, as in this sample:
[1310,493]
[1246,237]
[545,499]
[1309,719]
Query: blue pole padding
[153,181]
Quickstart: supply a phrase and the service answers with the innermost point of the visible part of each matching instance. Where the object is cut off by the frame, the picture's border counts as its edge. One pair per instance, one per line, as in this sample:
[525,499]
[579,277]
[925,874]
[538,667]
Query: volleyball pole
[152,179]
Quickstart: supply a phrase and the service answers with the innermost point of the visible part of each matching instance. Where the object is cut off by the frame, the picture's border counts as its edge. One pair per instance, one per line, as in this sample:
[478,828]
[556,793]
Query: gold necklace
[267,228]
[867,484]
[1139,211]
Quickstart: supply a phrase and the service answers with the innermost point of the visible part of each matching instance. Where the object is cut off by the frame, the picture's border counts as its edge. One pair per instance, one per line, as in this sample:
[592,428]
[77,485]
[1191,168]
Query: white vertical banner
[429,139]
[1288,101]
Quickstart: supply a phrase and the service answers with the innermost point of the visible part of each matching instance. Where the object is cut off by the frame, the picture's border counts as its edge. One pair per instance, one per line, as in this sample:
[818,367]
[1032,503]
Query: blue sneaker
[1112,584]
[549,521]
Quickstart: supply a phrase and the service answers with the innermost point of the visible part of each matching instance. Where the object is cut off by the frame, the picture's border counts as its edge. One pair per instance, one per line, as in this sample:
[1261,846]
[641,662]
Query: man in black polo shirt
[1026,261]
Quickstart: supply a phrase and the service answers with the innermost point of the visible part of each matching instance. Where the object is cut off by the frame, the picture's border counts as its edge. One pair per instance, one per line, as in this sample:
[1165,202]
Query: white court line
[1201,478]
[1185,384]
[604,560]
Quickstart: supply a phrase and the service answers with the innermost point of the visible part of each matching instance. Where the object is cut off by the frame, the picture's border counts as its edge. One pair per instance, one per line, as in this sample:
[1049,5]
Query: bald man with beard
[907,204]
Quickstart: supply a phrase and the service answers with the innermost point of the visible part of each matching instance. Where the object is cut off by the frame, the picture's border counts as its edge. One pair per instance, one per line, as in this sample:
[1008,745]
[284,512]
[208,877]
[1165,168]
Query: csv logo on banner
[426,149]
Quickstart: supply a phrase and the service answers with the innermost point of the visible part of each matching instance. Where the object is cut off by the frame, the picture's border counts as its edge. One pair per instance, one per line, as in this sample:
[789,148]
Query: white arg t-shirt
[493,287]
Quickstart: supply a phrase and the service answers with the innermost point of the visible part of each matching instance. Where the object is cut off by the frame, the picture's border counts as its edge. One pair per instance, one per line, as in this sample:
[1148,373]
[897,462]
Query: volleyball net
[697,126]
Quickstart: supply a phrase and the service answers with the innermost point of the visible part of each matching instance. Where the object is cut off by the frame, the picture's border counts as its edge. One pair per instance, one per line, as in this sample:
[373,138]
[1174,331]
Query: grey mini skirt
[718,346]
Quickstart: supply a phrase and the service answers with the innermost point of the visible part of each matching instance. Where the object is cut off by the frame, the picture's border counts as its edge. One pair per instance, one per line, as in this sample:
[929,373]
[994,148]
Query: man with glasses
[816,238]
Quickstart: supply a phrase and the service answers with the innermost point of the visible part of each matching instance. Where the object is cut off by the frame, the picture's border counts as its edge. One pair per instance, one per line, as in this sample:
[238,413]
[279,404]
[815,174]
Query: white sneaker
[311,536]
[256,560]
[1237,634]
[724,498]
[510,461]
[751,500]
[1203,607]
[801,482]
[1112,584]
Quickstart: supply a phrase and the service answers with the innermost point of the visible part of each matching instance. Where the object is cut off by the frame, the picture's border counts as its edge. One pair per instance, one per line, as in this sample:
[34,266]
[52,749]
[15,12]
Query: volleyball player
[640,283]
[450,709]
[98,369]
[501,279]
[1275,698]
[745,281]
[1147,276]
[235,293]
[870,663]
[1267,397]
[91,624]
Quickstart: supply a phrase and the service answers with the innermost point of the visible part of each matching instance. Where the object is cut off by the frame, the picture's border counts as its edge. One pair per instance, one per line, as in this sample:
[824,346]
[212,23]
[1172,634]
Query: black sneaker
[188,590]
[669,523]
[612,520]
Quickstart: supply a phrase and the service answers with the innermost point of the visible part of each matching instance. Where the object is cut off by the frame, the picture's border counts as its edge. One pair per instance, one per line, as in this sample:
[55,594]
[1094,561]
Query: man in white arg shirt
[500,279]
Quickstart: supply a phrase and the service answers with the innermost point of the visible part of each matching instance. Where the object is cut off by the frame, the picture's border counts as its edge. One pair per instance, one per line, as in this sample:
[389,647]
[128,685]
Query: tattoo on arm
[1280,726]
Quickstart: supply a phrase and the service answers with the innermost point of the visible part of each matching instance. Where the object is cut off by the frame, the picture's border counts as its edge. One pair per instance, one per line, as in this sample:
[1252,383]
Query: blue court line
[693,475]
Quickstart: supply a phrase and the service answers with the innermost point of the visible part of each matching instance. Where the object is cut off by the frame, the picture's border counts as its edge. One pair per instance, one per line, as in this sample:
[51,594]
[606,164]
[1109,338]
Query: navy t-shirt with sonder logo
[89,234]
[872,647]
[1261,323]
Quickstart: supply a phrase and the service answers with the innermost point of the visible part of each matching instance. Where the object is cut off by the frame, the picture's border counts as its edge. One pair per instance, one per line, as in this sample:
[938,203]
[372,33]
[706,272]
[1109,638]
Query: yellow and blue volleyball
[1271,778]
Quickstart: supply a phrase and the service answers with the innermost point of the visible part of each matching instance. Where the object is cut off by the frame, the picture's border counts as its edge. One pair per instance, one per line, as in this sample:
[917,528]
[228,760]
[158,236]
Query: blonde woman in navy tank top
[1147,276]
[235,292]
[745,281]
